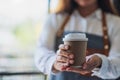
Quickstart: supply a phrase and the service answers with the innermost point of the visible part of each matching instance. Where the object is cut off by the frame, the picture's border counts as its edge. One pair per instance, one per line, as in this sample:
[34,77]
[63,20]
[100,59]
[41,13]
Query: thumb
[87,64]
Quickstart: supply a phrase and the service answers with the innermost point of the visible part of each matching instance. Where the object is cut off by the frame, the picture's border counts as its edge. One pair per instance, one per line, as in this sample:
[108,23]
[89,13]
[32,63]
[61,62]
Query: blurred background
[20,26]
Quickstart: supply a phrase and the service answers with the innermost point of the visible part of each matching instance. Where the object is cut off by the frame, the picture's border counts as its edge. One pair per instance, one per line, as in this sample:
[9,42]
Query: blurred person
[102,27]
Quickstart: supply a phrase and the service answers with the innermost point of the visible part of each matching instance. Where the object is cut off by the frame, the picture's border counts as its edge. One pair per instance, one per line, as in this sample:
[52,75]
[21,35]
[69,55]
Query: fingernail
[66,47]
[71,61]
[70,56]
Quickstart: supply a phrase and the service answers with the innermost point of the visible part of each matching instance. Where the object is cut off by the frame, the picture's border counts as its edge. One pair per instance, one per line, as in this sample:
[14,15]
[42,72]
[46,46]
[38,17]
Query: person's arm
[110,68]
[102,66]
[45,55]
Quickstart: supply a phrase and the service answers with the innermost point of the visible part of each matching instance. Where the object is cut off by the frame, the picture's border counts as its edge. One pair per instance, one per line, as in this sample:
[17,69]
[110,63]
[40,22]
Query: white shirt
[46,56]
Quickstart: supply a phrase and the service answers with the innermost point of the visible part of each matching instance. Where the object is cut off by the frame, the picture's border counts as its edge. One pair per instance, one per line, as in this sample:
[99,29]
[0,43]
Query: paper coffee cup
[78,45]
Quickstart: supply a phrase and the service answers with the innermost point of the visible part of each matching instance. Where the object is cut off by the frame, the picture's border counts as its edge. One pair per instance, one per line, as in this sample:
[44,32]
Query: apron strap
[105,34]
[104,29]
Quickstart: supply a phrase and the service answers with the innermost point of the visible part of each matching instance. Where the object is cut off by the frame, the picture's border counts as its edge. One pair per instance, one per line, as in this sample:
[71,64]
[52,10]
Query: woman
[102,28]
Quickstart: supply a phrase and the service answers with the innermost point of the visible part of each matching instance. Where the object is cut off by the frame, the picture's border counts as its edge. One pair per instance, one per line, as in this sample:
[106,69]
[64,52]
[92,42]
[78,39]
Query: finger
[62,53]
[62,59]
[94,59]
[71,55]
[90,64]
[76,70]
[79,70]
[73,69]
[61,66]
[63,47]
[88,67]
[65,54]
[71,61]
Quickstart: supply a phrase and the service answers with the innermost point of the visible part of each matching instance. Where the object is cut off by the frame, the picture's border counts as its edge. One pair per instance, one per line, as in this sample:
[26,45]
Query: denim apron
[93,42]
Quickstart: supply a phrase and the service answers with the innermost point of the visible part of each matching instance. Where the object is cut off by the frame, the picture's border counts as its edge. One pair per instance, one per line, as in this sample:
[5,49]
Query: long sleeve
[45,55]
[111,65]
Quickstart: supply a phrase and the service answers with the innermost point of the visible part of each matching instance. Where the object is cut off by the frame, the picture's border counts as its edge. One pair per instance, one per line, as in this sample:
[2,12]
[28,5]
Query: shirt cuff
[50,63]
[53,70]
[104,67]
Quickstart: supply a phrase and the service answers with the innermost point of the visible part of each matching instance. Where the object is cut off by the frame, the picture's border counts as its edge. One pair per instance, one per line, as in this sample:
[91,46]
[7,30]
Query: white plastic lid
[75,37]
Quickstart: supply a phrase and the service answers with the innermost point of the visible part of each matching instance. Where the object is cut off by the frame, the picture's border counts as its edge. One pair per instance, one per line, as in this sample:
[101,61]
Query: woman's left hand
[91,63]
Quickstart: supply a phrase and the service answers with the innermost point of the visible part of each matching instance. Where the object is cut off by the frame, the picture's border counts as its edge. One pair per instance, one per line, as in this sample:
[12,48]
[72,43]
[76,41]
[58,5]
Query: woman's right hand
[64,58]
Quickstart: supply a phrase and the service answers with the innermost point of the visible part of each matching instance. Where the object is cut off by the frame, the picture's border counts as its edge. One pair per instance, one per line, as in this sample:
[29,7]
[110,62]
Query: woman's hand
[64,58]
[91,63]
